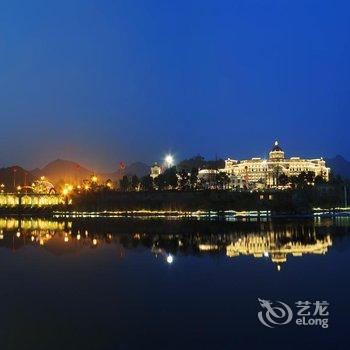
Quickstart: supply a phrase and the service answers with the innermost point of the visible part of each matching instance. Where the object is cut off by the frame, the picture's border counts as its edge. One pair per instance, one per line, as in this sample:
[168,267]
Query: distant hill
[139,169]
[15,176]
[339,166]
[199,162]
[65,171]
[61,170]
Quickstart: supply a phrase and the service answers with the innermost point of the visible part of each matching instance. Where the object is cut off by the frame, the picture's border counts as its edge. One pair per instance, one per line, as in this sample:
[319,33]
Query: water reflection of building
[59,237]
[30,200]
[277,247]
[268,241]
[12,223]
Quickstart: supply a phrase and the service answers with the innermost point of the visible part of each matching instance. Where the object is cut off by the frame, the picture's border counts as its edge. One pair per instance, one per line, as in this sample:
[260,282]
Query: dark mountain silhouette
[65,171]
[138,168]
[61,170]
[200,162]
[339,166]
[14,176]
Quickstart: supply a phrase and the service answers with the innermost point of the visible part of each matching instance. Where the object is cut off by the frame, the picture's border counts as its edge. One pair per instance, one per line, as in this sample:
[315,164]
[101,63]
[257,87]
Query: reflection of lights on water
[32,238]
[47,236]
[66,238]
[41,242]
[18,234]
[169,259]
[278,267]
[78,236]
[86,233]
[94,241]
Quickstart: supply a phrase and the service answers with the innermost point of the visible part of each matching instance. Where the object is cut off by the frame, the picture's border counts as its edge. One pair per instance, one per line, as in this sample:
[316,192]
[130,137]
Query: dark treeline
[292,201]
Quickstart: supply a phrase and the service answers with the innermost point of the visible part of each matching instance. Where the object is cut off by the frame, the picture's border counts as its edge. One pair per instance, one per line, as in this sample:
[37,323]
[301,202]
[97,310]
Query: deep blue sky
[106,80]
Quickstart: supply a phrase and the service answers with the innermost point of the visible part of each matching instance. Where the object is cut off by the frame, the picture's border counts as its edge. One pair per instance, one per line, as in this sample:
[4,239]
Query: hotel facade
[263,173]
[267,171]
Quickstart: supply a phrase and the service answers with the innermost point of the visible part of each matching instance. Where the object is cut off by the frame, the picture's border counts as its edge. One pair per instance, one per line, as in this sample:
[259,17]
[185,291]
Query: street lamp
[169,160]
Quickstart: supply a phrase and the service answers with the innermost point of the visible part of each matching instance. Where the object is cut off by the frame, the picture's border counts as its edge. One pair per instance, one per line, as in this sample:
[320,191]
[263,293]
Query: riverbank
[288,202]
[211,203]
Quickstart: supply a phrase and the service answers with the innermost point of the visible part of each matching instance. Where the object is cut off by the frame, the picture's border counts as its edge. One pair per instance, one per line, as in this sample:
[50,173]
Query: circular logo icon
[274,313]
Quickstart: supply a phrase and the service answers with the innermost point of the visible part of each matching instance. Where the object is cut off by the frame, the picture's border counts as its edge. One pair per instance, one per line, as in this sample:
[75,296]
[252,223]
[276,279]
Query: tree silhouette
[170,178]
[160,182]
[124,183]
[135,182]
[147,183]
[194,178]
[283,180]
[184,180]
[222,180]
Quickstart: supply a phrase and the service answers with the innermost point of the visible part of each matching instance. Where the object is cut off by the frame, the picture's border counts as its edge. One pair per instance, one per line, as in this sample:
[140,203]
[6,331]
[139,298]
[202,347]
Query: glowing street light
[169,160]
[169,259]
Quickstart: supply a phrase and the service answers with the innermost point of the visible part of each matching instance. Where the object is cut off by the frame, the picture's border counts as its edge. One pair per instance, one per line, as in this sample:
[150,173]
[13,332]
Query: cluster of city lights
[87,185]
[67,189]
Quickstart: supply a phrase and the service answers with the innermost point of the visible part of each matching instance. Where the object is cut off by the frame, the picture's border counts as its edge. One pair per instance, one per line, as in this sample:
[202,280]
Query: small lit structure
[156,170]
[43,186]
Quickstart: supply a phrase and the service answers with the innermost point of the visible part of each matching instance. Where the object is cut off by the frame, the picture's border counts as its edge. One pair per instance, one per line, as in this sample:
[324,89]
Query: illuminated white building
[265,172]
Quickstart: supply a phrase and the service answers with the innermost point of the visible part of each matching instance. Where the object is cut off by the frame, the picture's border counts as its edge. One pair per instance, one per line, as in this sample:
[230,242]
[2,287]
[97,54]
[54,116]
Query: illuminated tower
[276,154]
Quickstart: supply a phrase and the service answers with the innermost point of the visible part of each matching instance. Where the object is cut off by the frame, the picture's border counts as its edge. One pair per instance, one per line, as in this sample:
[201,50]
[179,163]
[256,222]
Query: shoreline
[226,215]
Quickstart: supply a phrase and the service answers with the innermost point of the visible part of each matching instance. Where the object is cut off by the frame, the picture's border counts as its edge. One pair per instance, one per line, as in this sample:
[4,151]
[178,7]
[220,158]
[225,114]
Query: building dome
[276,147]
[276,153]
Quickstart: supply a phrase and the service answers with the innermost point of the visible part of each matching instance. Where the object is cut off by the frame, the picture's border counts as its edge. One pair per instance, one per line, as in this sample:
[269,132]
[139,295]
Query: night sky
[103,81]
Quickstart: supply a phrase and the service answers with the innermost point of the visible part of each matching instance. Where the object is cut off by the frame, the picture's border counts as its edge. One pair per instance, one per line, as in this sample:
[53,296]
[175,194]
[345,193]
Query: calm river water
[174,284]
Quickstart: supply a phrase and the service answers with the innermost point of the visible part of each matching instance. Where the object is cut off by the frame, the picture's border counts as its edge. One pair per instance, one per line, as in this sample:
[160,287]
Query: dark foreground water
[173,284]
